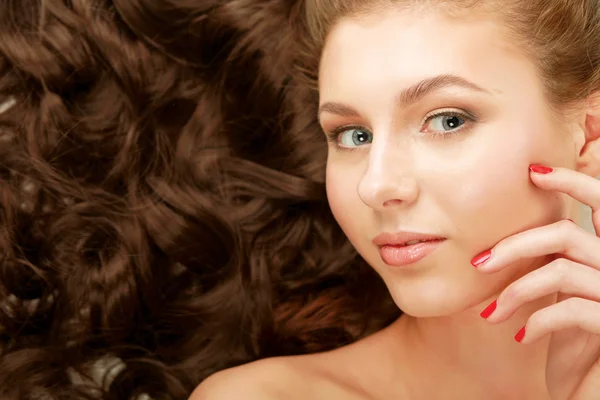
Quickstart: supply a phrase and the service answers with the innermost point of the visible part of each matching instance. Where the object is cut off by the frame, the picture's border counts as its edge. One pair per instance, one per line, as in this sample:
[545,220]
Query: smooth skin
[476,189]
[573,322]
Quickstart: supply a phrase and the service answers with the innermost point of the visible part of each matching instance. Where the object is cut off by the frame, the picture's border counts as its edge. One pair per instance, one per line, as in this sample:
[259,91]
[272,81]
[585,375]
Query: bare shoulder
[268,379]
[346,373]
[280,378]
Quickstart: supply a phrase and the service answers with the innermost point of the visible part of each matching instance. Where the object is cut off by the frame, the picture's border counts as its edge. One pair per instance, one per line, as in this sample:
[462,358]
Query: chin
[437,299]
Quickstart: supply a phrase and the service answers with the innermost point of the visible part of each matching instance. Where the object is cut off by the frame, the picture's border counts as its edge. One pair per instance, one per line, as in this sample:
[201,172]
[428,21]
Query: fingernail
[489,309]
[540,169]
[480,259]
[520,335]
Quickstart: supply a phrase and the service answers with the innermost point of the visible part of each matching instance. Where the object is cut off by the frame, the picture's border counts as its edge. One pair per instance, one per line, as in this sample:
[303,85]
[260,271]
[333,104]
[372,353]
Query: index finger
[581,187]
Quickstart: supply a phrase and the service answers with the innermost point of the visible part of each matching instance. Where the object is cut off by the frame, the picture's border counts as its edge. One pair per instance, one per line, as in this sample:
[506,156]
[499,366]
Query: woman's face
[443,116]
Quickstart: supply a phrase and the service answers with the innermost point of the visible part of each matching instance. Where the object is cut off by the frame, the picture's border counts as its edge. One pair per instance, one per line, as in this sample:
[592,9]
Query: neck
[463,352]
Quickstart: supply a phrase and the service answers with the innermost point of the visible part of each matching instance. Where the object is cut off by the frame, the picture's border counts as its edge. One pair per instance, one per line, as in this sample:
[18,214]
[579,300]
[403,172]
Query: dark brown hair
[162,204]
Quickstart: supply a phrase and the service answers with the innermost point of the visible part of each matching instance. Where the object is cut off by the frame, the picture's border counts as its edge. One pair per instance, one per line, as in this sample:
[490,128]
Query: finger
[559,276]
[562,237]
[574,312]
[582,187]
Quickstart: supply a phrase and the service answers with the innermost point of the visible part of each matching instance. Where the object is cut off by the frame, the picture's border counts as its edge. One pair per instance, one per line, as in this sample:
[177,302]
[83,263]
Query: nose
[388,182]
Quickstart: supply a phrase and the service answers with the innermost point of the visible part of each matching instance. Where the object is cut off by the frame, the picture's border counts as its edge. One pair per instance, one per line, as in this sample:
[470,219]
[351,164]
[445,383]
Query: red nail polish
[520,335]
[540,169]
[489,309]
[479,259]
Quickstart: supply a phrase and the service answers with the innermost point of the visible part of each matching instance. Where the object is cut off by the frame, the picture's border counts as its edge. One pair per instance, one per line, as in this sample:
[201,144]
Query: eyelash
[334,135]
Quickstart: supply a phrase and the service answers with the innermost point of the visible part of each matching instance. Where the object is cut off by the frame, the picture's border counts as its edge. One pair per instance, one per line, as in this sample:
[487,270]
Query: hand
[573,364]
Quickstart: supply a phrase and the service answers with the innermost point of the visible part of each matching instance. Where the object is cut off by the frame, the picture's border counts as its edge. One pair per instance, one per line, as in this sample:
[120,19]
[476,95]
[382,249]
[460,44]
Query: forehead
[401,46]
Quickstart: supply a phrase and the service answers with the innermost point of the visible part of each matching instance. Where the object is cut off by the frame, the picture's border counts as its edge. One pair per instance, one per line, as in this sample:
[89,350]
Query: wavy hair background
[162,206]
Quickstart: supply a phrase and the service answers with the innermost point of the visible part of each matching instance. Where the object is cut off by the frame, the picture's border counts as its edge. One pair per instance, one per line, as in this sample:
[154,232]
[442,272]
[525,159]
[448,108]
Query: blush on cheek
[496,196]
[509,203]
[541,142]
[351,214]
[341,195]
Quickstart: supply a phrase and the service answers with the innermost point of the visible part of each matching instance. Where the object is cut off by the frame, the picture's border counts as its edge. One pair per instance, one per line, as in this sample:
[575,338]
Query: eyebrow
[409,95]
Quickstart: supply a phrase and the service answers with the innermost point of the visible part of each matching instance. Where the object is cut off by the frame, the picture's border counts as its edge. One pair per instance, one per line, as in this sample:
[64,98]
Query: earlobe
[588,161]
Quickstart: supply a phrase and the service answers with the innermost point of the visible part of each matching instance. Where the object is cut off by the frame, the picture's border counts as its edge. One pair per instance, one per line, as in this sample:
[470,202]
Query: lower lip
[398,256]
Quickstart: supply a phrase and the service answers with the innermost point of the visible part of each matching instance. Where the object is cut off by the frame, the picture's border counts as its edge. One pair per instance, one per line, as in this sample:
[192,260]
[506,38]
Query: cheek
[496,197]
[342,195]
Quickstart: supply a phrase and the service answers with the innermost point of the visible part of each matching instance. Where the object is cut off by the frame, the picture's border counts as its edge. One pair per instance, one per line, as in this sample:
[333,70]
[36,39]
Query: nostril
[392,202]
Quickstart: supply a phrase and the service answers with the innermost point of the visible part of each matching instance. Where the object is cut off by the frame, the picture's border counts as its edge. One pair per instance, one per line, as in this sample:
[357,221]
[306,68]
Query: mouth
[407,254]
[405,238]
[413,242]
[405,248]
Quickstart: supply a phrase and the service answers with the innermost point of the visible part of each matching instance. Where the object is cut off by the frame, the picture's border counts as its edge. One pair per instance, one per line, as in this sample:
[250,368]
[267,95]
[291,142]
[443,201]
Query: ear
[588,161]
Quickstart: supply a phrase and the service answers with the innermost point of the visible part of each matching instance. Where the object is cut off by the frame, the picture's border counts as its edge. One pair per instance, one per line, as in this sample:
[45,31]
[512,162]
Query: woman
[459,134]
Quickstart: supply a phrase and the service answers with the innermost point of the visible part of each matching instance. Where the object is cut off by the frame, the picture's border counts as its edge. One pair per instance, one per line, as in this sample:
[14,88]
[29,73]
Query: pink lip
[398,256]
[399,238]
[394,252]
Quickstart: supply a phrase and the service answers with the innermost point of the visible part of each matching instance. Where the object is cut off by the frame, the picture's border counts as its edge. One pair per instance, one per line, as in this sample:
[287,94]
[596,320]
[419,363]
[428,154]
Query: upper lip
[400,238]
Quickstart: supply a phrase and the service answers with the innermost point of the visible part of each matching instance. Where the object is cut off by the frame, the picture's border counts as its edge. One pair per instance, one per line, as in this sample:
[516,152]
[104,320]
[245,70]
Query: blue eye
[354,137]
[440,124]
[444,122]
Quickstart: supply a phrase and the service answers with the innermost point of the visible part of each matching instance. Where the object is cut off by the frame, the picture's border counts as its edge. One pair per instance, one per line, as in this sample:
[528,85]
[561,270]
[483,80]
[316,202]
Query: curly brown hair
[163,208]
